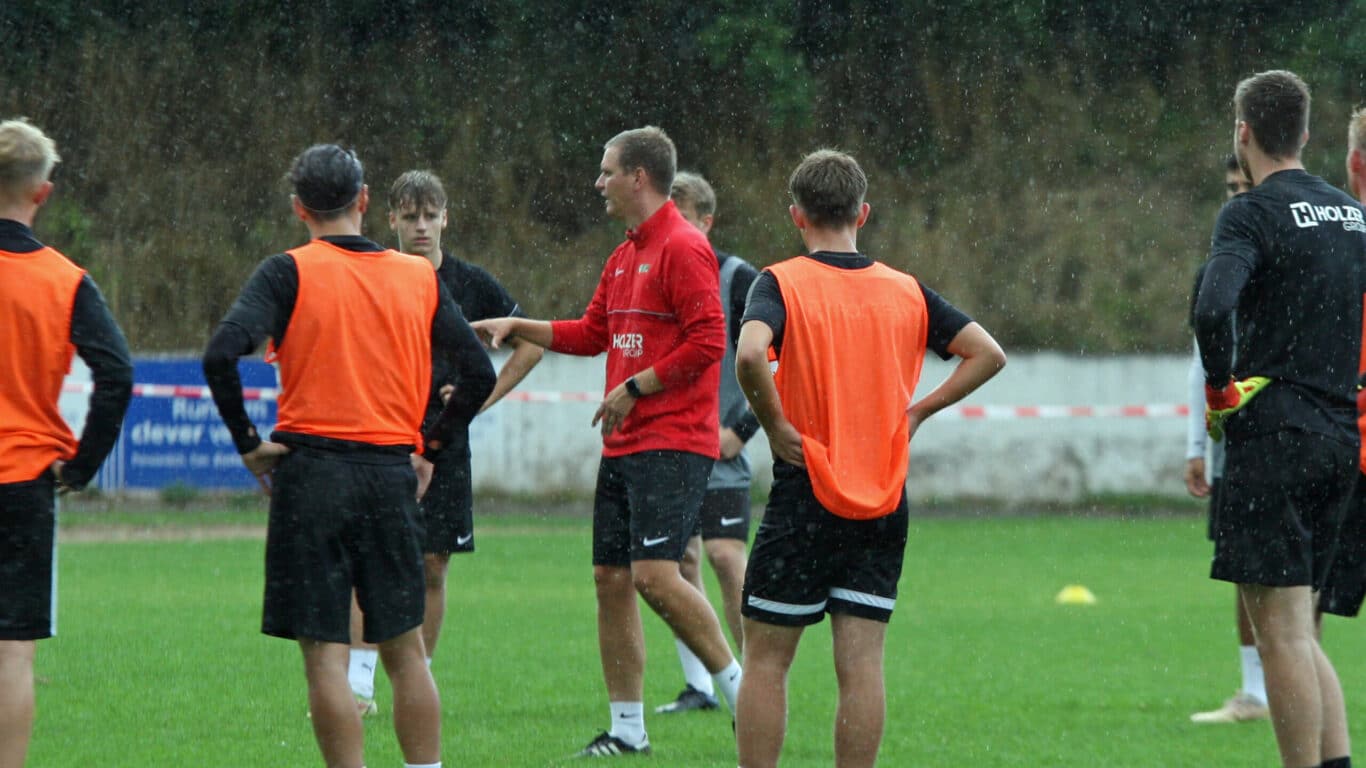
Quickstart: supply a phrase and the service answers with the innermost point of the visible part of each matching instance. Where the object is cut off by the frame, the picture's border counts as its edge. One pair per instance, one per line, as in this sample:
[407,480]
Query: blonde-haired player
[48,308]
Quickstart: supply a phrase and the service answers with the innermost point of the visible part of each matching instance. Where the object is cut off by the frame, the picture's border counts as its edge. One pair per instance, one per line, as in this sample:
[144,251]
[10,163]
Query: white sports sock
[361,672]
[1254,681]
[628,721]
[694,671]
[422,765]
[728,683]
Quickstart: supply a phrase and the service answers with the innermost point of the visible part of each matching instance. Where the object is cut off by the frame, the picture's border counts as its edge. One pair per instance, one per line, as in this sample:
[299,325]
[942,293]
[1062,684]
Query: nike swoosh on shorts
[651,542]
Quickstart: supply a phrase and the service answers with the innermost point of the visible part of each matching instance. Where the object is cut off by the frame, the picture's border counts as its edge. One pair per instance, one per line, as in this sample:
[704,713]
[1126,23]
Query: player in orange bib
[849,336]
[354,327]
[50,309]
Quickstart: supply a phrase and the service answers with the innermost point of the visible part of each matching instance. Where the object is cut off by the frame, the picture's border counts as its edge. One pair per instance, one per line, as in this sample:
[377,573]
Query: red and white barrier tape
[992,412]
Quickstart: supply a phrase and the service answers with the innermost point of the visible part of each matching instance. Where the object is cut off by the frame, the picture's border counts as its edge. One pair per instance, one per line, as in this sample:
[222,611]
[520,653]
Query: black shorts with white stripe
[807,562]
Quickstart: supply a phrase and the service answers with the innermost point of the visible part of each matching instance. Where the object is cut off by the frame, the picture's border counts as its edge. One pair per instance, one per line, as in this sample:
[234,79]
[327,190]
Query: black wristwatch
[633,388]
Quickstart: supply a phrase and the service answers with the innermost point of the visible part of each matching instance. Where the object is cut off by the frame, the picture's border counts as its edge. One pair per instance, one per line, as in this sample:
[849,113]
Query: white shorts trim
[787,609]
[863,598]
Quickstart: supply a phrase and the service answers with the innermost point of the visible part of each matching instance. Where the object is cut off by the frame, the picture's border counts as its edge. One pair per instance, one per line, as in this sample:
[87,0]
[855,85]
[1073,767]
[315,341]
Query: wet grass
[159,661]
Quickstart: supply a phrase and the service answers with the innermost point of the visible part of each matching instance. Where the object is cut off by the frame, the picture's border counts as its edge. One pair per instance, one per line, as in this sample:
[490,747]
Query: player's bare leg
[336,723]
[862,709]
[621,639]
[728,561]
[417,706]
[700,690]
[1301,687]
[684,609]
[761,713]
[690,566]
[434,567]
[16,700]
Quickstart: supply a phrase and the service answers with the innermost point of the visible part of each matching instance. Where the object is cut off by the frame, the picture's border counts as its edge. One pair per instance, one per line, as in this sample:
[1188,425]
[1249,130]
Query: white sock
[628,722]
[728,683]
[361,672]
[422,765]
[1254,681]
[694,671]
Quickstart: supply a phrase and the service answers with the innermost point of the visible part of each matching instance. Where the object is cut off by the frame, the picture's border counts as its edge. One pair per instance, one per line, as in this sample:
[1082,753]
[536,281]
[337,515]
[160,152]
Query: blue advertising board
[181,440]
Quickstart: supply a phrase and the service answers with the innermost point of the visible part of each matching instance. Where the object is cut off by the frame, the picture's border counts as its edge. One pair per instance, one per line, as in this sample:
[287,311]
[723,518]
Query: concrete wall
[536,447]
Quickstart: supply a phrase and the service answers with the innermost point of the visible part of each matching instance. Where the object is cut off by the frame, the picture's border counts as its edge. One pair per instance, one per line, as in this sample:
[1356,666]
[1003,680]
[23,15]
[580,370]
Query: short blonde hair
[692,190]
[27,156]
[1356,130]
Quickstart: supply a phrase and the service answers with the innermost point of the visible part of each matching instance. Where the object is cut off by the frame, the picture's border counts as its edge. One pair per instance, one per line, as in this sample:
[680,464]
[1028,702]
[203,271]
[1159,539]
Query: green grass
[159,660]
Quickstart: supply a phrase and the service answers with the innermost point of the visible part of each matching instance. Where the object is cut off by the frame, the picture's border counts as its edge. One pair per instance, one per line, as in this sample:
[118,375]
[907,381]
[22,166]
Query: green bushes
[1053,168]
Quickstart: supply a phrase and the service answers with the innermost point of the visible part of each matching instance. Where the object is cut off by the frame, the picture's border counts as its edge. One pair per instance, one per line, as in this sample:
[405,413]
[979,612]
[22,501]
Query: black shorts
[646,505]
[28,577]
[1215,493]
[1346,587]
[724,515]
[807,562]
[338,525]
[1284,498]
[448,508]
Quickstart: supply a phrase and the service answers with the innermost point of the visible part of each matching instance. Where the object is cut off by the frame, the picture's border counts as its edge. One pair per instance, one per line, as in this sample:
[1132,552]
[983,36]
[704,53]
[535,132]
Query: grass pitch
[159,660]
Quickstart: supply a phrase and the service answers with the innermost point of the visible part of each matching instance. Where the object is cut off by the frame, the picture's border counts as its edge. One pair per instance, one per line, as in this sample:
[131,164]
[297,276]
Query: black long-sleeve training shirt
[1289,257]
[263,310]
[100,343]
[479,296]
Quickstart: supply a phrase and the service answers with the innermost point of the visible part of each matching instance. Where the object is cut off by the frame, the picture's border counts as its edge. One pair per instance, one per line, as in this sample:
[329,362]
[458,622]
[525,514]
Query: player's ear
[863,212]
[299,209]
[798,216]
[42,192]
[363,199]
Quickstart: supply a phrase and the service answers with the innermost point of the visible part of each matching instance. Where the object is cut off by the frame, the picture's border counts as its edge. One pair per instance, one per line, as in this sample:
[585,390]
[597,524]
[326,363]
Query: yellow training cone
[1075,594]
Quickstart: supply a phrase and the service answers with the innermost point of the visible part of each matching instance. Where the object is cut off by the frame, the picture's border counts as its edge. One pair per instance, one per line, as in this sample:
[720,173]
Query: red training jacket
[658,304]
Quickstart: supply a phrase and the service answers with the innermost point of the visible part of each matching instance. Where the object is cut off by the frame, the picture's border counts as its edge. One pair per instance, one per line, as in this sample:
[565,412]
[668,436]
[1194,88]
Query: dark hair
[1231,164]
[829,187]
[649,148]
[327,180]
[1275,105]
[420,189]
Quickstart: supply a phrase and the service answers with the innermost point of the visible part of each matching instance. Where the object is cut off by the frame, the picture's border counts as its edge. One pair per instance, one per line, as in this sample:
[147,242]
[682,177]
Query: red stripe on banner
[1008,412]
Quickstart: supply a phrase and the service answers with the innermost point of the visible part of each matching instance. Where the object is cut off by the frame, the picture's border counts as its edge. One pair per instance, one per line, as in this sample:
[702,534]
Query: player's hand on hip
[56,470]
[1228,400]
[786,442]
[424,470]
[494,331]
[614,409]
[261,461]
